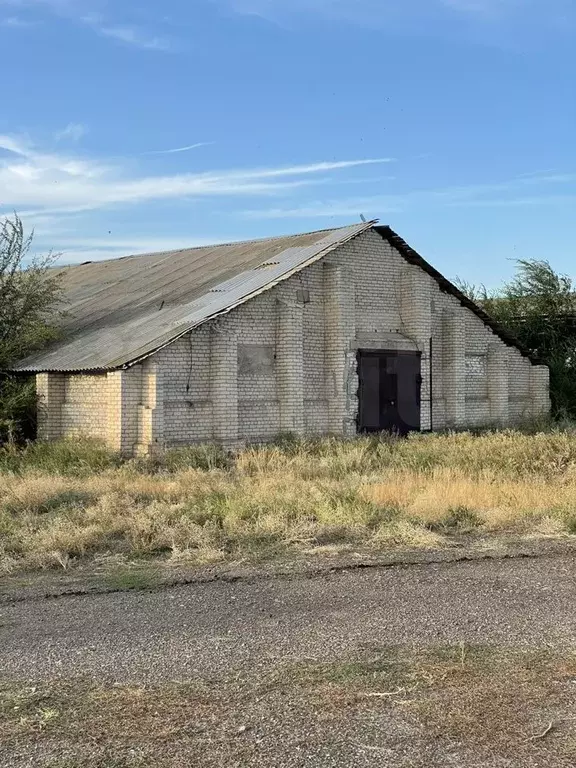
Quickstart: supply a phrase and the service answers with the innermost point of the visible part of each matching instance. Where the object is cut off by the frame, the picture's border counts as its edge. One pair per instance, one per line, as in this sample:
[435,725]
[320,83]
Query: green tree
[29,293]
[539,307]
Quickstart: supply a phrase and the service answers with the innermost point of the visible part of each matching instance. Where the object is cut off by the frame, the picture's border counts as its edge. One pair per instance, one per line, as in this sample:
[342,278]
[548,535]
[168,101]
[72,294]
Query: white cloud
[53,5]
[77,11]
[519,202]
[500,194]
[135,37]
[419,16]
[483,6]
[73,131]
[16,22]
[297,170]
[358,9]
[57,183]
[180,149]
[348,207]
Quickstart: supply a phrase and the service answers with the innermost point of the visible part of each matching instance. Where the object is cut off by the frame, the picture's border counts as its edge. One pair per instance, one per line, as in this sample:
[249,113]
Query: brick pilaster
[224,383]
[151,409]
[454,368]
[416,317]
[497,380]
[340,331]
[290,367]
[540,390]
[124,397]
[50,393]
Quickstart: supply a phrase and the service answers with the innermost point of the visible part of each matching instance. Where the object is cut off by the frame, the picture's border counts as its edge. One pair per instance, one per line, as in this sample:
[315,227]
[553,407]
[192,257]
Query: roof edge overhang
[72,371]
[141,355]
[413,257]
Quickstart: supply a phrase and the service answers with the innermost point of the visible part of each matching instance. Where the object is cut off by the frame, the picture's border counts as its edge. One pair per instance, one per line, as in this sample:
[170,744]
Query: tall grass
[71,501]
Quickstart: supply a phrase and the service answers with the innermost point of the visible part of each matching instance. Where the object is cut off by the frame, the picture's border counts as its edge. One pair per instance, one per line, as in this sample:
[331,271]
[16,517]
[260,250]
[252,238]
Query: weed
[480,705]
[64,502]
[458,520]
[66,457]
[206,457]
[571,524]
[132,578]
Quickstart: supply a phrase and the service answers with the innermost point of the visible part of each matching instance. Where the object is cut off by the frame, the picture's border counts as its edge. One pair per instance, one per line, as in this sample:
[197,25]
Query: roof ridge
[227,244]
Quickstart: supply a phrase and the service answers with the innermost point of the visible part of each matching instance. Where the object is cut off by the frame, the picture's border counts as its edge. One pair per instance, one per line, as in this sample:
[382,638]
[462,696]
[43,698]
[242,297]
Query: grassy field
[457,705]
[75,502]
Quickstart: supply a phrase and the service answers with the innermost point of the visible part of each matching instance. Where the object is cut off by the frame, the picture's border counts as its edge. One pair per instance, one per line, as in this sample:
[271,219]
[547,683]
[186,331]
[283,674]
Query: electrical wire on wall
[189,380]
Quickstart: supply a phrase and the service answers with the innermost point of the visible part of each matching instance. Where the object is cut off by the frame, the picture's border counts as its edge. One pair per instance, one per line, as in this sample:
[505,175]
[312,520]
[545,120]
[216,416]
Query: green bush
[30,292]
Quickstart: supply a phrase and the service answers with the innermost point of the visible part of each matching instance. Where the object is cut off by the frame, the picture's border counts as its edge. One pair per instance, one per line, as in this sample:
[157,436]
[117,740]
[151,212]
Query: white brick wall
[50,392]
[103,406]
[186,373]
[520,405]
[287,360]
[313,346]
[85,406]
[125,396]
[340,323]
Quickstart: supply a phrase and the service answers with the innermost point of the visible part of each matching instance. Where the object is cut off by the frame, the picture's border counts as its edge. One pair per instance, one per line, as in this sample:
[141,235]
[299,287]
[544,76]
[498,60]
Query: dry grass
[406,707]
[61,504]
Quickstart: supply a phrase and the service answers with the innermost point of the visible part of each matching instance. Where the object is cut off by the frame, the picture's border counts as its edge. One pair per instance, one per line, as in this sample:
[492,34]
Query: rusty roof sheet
[122,310]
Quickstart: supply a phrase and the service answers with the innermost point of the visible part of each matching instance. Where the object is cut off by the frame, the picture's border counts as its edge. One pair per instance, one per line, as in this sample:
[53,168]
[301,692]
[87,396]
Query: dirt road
[207,635]
[209,630]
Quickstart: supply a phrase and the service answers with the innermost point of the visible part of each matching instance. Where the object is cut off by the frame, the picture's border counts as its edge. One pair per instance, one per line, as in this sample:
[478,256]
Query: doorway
[389,391]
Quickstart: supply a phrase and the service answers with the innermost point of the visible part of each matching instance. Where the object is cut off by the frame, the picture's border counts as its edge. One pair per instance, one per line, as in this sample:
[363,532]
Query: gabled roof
[120,311]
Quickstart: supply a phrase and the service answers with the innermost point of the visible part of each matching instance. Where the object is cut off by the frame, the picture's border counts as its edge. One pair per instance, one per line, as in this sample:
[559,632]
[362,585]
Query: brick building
[337,331]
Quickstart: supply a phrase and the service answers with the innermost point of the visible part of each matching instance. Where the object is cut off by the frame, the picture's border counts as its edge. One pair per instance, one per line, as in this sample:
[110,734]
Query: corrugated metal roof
[120,311]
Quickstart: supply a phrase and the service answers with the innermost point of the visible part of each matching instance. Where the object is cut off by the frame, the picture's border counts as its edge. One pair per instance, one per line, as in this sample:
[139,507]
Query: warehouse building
[337,332]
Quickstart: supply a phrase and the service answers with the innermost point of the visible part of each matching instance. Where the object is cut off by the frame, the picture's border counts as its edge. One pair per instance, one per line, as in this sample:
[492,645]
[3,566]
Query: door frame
[383,353]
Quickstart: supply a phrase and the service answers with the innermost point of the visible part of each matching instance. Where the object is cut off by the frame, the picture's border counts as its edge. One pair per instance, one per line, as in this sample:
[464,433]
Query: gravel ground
[329,670]
[207,631]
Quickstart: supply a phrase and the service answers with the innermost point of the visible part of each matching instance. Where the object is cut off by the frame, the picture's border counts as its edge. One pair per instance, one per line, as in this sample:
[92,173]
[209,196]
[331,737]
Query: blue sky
[136,125]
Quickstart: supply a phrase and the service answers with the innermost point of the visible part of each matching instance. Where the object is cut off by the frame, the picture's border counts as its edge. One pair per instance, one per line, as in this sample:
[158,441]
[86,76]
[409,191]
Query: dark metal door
[389,391]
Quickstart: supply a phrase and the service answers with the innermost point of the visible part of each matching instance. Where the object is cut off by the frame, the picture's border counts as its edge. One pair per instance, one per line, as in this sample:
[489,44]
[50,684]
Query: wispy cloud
[478,19]
[331,208]
[53,5]
[44,182]
[17,22]
[77,12]
[358,9]
[180,149]
[483,7]
[297,170]
[519,202]
[509,193]
[135,37]
[72,132]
